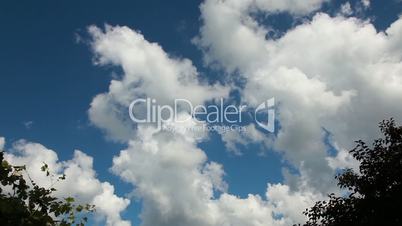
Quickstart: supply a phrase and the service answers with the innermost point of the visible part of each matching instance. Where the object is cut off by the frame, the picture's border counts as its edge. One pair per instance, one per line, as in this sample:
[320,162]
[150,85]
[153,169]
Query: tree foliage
[25,203]
[375,192]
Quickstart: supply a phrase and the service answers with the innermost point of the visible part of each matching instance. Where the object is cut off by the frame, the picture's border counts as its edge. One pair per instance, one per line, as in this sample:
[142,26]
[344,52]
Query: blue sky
[48,79]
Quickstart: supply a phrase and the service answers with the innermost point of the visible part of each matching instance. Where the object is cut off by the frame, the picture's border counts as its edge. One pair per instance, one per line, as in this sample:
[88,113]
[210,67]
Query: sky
[70,69]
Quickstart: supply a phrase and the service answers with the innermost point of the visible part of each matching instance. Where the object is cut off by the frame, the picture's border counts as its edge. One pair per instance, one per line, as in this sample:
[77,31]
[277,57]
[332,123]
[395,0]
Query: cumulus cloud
[343,160]
[168,171]
[81,181]
[148,71]
[234,139]
[326,74]
[171,175]
[291,204]
[332,73]
[179,186]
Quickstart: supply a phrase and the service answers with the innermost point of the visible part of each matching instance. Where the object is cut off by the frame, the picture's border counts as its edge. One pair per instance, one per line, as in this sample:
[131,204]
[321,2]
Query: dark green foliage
[375,192]
[30,204]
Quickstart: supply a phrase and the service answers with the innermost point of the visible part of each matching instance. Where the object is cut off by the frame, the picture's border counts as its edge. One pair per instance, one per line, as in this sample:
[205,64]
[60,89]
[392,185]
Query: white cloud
[343,160]
[111,205]
[81,181]
[171,175]
[233,138]
[346,9]
[292,6]
[227,17]
[291,204]
[178,186]
[233,18]
[366,3]
[148,72]
[325,74]
[280,206]
[331,72]
[2,143]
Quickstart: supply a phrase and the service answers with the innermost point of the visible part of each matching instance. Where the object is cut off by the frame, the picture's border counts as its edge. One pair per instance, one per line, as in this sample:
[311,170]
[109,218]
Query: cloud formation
[173,178]
[333,75]
[179,186]
[330,75]
[81,181]
[148,71]
[234,139]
